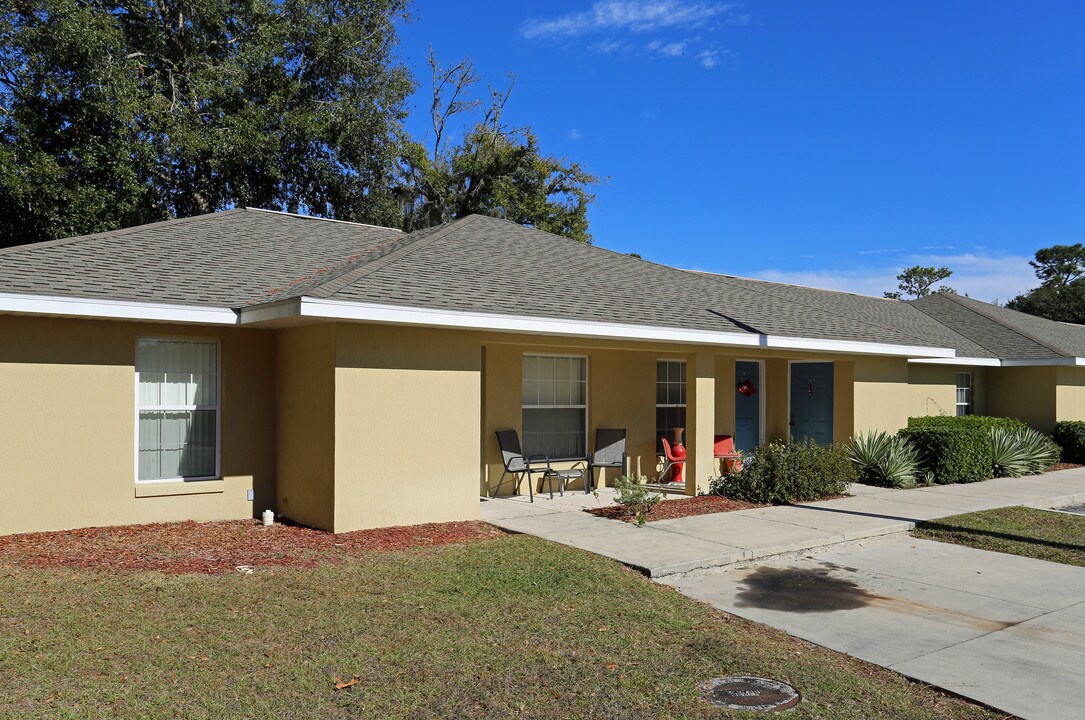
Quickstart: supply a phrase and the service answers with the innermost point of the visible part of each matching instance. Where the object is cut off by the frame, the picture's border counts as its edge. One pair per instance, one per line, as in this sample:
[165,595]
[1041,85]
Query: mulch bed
[682,507]
[214,548]
[1063,466]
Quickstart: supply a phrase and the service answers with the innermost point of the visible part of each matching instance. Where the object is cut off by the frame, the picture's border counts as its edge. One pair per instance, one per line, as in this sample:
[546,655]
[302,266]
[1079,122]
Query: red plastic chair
[724,449]
[676,458]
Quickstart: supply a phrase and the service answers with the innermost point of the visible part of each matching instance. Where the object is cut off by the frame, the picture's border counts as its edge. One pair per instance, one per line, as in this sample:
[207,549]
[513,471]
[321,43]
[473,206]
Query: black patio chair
[520,466]
[609,453]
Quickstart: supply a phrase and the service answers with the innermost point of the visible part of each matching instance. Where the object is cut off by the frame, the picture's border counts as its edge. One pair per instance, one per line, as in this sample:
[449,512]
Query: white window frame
[969,406]
[584,407]
[685,405]
[217,407]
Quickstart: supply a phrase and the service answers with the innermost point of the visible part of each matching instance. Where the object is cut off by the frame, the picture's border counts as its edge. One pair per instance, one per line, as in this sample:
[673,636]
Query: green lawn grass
[1058,537]
[513,627]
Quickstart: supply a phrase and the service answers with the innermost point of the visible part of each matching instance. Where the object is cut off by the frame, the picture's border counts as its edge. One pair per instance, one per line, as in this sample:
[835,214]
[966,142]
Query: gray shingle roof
[228,259]
[245,258]
[1005,333]
[483,264]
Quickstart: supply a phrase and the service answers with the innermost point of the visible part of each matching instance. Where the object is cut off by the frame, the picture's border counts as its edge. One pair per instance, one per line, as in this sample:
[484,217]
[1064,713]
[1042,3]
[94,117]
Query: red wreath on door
[746,387]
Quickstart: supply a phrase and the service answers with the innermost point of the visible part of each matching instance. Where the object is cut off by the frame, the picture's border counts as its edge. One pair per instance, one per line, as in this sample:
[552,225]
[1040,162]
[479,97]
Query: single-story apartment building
[350,376]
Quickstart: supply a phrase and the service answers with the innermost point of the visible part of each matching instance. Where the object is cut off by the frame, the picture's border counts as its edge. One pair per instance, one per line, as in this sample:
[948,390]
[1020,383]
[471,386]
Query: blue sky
[827,143]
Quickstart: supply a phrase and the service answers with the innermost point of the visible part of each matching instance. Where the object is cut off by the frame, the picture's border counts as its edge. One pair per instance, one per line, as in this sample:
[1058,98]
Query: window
[670,400]
[964,393]
[178,409]
[555,406]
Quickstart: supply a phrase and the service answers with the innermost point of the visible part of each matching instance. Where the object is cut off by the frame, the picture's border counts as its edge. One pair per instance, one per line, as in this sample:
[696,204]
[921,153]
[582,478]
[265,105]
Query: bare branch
[455,79]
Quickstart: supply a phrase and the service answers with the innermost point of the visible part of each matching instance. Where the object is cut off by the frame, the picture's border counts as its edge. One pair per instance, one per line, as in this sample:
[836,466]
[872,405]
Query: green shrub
[788,472]
[1031,451]
[966,422]
[953,455]
[1070,436]
[637,499]
[883,459]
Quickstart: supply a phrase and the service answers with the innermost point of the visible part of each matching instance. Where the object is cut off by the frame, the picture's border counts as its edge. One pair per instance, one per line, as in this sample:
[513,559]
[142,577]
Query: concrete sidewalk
[670,547]
[1004,630]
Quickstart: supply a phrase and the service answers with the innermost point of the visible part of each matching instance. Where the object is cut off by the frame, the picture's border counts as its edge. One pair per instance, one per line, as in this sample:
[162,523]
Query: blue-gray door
[747,407]
[812,402]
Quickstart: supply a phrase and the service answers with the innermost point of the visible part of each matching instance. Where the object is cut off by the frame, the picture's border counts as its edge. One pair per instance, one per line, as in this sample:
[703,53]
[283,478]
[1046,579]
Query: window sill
[180,487]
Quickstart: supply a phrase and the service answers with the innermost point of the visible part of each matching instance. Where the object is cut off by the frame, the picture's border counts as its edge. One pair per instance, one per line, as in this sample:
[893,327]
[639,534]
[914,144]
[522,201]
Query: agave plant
[883,459]
[1021,452]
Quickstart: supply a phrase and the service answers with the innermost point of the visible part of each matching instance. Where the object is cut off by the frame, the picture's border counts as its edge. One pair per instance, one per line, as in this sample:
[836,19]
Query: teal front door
[812,402]
[747,406]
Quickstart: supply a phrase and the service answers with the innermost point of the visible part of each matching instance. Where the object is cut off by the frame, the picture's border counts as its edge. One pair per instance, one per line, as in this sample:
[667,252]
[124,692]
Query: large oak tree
[116,112]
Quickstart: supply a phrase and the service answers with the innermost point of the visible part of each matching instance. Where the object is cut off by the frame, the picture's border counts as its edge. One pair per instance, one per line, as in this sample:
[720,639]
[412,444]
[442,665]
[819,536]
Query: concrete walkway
[1000,629]
[1004,630]
[669,547]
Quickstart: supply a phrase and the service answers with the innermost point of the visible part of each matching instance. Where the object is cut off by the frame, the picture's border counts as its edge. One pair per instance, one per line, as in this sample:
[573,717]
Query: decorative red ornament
[746,387]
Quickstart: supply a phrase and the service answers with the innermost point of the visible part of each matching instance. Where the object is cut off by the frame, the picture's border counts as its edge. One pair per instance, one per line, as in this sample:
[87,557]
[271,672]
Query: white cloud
[606,47]
[709,58]
[673,49]
[983,277]
[636,16]
[675,28]
[574,134]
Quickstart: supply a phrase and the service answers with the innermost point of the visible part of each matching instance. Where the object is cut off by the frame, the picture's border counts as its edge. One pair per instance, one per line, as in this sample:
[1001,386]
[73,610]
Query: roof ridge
[793,285]
[117,232]
[726,280]
[366,267]
[996,353]
[993,318]
[316,217]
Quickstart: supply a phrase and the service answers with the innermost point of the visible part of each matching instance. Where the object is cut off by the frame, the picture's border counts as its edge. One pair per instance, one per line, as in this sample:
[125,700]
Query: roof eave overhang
[998,362]
[326,309]
[115,309]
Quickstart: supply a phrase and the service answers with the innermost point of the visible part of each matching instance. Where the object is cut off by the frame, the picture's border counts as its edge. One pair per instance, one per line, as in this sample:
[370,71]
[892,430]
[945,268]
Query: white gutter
[115,309]
[402,315]
[1073,361]
[983,362]
[995,362]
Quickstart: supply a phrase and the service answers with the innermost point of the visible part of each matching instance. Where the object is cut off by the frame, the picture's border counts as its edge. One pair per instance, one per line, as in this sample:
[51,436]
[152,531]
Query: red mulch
[214,548]
[1063,466]
[682,507]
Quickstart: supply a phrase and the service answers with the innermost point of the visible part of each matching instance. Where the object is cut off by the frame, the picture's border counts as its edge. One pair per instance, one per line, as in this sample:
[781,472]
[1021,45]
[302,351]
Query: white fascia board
[855,347]
[402,315]
[115,309]
[995,362]
[1072,361]
[982,362]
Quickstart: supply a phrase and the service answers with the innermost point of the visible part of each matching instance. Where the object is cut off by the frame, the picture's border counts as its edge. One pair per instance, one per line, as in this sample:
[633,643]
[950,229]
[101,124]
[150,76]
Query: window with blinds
[555,406]
[178,409]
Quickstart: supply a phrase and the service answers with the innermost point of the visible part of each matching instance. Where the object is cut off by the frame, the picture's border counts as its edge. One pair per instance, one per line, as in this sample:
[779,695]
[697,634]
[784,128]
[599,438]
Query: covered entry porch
[556,394]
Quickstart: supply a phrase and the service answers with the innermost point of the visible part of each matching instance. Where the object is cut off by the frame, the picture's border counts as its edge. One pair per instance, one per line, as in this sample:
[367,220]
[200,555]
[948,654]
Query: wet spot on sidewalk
[798,590]
[801,591]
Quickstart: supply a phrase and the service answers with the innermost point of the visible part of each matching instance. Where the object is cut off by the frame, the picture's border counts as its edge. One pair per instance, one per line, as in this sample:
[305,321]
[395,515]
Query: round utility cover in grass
[741,692]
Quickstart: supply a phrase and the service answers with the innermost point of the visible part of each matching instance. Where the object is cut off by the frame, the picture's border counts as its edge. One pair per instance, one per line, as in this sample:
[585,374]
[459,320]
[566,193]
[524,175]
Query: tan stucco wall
[777,412]
[932,389]
[881,394]
[621,394]
[1070,393]
[305,438]
[1026,393]
[67,426]
[725,394]
[407,422]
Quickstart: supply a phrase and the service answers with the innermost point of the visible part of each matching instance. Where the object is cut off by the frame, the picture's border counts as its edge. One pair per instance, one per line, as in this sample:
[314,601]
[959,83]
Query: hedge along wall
[1070,435]
[953,454]
[966,422]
